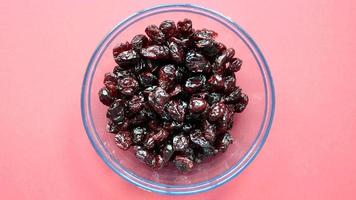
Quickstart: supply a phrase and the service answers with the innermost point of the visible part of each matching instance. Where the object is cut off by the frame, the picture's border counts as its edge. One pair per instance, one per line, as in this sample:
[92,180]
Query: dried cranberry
[155,34]
[167,152]
[123,140]
[159,162]
[197,105]
[136,103]
[224,141]
[183,42]
[234,65]
[216,82]
[139,134]
[176,90]
[139,41]
[121,47]
[160,135]
[127,58]
[204,34]
[195,84]
[127,86]
[116,111]
[213,98]
[183,163]
[157,98]
[230,83]
[168,27]
[147,79]
[185,26]
[167,75]
[180,143]
[216,111]
[177,52]
[105,96]
[208,47]
[225,57]
[196,62]
[155,52]
[176,110]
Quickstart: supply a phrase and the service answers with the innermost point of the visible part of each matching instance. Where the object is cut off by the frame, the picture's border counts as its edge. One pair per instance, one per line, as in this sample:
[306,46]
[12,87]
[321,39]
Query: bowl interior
[246,125]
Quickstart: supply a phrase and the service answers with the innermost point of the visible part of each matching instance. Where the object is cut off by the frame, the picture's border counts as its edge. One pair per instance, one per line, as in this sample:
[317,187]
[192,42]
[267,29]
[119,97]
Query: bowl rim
[218,179]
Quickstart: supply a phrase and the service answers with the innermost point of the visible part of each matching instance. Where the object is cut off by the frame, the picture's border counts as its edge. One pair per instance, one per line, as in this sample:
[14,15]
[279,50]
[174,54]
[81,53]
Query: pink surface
[309,45]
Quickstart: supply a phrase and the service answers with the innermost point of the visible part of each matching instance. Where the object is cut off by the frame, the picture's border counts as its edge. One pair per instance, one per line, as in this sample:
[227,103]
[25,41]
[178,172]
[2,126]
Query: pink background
[309,45]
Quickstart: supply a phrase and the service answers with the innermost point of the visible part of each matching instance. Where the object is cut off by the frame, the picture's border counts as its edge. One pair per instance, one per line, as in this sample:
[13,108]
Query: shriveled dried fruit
[155,34]
[168,27]
[183,163]
[123,140]
[155,52]
[173,95]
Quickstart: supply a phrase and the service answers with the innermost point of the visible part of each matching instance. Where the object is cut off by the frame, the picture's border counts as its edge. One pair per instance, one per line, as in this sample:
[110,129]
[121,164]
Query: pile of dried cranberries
[173,95]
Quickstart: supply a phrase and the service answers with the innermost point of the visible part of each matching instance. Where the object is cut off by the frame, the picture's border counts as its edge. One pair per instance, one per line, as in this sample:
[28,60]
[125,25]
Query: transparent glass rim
[212,182]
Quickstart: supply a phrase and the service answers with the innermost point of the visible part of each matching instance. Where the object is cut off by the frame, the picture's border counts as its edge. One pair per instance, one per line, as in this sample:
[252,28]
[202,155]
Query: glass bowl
[250,128]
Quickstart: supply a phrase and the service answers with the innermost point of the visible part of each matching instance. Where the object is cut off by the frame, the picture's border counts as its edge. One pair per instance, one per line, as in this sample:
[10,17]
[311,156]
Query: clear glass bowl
[250,128]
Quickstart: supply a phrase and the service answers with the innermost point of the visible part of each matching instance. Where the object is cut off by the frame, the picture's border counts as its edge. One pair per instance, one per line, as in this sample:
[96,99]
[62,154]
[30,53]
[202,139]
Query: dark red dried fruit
[127,58]
[105,96]
[176,110]
[157,98]
[167,75]
[234,65]
[161,135]
[208,47]
[177,52]
[167,152]
[183,163]
[173,95]
[216,111]
[136,103]
[168,27]
[213,98]
[224,141]
[196,62]
[139,41]
[127,86]
[230,83]
[139,134]
[116,111]
[123,140]
[180,143]
[147,79]
[119,48]
[155,34]
[155,52]
[216,82]
[195,84]
[225,57]
[204,34]
[185,27]
[197,105]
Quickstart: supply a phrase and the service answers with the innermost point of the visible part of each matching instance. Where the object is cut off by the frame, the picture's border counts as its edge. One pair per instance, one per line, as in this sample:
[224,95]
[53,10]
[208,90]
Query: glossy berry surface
[172,95]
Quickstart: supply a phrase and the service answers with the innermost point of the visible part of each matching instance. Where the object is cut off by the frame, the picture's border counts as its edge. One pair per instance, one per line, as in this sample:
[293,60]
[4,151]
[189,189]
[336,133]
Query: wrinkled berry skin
[155,34]
[139,41]
[127,86]
[172,95]
[120,48]
[155,52]
[123,140]
[183,163]
[216,111]
[180,143]
[168,27]
[195,84]
[196,62]
[127,58]
[185,27]
[105,96]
